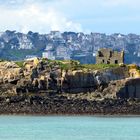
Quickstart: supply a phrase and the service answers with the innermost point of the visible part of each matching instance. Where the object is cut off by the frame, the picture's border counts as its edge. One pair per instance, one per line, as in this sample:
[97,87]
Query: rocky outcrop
[62,105]
[126,88]
[42,78]
[80,81]
[10,72]
[49,89]
[130,89]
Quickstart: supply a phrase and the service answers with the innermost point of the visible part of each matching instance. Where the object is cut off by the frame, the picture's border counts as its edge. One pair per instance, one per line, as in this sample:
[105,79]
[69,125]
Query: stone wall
[107,56]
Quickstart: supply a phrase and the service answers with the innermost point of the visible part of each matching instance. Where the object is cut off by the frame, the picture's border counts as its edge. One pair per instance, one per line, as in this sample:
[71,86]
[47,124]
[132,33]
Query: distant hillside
[67,45]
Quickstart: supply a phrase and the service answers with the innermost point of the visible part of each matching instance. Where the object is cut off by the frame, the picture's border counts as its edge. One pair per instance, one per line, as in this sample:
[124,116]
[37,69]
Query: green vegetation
[138,68]
[71,65]
[65,64]
[14,54]
[1,60]
[20,63]
[99,66]
[75,65]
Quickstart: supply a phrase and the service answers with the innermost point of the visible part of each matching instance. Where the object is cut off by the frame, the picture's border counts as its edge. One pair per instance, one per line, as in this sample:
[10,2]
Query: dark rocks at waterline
[62,105]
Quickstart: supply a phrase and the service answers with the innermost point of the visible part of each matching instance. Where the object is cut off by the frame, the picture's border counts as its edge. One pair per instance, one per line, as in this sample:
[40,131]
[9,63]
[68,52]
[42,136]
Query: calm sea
[69,128]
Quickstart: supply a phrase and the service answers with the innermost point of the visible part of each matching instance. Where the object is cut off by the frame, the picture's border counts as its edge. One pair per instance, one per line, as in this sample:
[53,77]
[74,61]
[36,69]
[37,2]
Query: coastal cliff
[42,86]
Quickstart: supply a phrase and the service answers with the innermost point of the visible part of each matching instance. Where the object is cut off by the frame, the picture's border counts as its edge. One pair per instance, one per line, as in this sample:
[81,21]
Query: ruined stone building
[108,56]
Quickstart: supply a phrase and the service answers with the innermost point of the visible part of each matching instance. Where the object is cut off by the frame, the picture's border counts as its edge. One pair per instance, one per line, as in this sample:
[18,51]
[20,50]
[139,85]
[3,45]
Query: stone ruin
[108,56]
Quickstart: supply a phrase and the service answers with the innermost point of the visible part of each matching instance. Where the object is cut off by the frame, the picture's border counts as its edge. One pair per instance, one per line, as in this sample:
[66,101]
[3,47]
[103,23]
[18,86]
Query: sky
[43,16]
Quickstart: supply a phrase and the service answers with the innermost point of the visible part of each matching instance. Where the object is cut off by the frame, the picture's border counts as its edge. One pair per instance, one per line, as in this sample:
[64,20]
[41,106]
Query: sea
[69,128]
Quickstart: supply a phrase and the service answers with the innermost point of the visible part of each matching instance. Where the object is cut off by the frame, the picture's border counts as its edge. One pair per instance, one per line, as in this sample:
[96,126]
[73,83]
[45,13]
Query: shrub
[20,63]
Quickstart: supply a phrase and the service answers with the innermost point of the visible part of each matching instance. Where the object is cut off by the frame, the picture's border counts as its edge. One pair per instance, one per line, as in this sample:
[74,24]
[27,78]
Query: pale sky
[103,16]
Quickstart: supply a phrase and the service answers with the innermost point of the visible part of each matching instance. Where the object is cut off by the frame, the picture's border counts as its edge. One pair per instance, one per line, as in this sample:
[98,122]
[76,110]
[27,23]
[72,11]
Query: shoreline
[74,115]
[56,106]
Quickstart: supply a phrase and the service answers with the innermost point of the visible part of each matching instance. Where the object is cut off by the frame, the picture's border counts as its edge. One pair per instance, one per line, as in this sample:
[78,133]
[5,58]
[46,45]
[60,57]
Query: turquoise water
[69,128]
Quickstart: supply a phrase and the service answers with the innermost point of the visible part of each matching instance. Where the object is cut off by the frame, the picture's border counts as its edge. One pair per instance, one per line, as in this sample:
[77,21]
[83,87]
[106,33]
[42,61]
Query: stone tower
[108,56]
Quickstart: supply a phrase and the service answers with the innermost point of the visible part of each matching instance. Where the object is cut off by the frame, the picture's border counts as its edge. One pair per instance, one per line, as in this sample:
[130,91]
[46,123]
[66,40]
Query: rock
[58,91]
[10,72]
